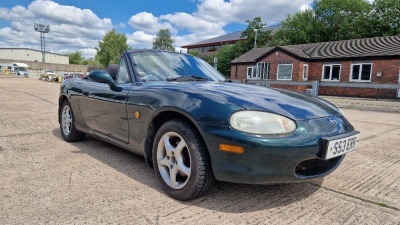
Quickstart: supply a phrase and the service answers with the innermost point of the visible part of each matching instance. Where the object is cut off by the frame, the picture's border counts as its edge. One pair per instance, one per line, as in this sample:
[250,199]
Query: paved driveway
[47,180]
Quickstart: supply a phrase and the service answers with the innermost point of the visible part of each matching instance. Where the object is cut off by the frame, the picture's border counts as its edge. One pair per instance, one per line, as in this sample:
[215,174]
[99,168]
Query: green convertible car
[194,126]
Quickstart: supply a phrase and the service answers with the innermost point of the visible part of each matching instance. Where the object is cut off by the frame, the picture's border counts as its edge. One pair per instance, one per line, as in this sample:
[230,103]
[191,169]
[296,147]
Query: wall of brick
[38,66]
[383,71]
[239,72]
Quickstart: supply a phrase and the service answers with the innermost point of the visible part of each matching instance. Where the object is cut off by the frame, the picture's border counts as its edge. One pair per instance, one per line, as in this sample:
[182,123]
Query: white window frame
[360,72]
[305,71]
[330,74]
[253,72]
[291,71]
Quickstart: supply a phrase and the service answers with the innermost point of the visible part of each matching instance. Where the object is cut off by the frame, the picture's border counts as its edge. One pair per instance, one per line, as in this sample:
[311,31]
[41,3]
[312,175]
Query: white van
[20,69]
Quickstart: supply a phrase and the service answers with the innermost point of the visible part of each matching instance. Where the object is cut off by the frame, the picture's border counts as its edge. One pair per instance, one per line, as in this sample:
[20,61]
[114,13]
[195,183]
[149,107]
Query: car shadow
[223,197]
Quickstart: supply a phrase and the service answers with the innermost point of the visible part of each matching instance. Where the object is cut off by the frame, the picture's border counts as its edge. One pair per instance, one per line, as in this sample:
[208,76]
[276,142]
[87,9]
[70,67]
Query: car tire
[67,124]
[181,161]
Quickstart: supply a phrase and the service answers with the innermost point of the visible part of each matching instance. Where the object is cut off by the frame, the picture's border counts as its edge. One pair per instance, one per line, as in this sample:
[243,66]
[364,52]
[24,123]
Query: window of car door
[123,75]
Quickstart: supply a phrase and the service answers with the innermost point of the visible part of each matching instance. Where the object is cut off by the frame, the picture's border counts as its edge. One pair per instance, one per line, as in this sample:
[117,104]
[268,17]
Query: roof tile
[356,48]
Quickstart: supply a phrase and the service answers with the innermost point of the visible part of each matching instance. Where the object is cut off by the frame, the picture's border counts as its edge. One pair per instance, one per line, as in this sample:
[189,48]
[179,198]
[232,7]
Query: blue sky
[81,24]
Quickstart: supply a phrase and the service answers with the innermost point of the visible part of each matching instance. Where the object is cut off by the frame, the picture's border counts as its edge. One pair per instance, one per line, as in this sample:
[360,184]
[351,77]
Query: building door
[398,90]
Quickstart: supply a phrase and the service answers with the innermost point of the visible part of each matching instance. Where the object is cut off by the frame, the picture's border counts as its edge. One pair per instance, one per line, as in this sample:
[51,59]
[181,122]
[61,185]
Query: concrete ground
[44,179]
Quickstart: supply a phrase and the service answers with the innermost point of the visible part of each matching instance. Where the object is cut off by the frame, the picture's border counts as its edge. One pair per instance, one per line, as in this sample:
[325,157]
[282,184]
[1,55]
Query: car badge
[333,121]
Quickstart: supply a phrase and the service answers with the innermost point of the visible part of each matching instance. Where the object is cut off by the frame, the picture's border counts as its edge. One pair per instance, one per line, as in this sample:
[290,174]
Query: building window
[331,72]
[263,70]
[285,71]
[361,72]
[252,72]
[305,72]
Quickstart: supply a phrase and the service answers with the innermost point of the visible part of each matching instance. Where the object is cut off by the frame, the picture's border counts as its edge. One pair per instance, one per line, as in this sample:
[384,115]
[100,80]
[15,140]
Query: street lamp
[255,39]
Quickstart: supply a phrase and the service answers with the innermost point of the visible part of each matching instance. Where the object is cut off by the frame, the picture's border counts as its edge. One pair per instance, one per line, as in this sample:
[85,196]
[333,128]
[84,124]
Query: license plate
[339,145]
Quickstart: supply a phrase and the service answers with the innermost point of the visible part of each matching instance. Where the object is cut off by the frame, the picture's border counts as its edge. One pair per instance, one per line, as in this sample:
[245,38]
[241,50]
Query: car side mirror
[102,76]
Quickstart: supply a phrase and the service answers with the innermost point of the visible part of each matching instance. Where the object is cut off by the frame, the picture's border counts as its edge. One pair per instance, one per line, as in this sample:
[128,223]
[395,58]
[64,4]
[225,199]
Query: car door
[103,109]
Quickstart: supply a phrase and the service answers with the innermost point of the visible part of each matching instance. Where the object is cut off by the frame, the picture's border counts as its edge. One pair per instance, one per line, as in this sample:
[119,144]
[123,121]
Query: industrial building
[31,55]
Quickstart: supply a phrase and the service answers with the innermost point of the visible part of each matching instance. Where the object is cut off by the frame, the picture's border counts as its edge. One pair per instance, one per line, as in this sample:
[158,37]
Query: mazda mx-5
[194,126]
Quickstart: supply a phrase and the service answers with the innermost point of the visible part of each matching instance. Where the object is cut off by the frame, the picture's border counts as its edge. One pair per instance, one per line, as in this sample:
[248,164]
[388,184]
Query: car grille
[315,167]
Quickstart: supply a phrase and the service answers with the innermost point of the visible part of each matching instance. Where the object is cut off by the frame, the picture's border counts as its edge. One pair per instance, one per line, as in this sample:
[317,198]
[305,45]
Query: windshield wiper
[187,78]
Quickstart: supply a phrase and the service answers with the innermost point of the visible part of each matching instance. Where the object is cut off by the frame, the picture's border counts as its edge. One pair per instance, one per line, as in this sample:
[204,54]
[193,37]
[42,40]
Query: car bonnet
[291,104]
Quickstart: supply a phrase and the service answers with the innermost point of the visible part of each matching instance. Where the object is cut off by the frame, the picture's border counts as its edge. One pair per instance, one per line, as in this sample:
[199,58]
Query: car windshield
[22,69]
[170,66]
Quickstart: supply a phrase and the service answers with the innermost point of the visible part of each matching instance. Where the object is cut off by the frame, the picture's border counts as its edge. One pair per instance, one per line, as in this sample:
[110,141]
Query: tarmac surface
[47,180]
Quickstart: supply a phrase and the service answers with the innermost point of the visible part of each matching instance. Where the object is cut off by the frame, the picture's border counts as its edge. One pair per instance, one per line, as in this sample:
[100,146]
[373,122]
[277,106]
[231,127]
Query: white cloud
[15,13]
[148,23]
[210,18]
[193,24]
[74,29]
[122,25]
[140,39]
[71,28]
[305,7]
[240,10]
[63,14]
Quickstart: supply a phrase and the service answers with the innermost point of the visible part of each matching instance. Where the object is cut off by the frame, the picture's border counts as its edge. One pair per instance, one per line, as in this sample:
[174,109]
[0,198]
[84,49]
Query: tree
[255,28]
[296,29]
[209,58]
[229,52]
[226,54]
[92,64]
[342,19]
[111,48]
[327,20]
[75,57]
[385,17]
[194,52]
[163,40]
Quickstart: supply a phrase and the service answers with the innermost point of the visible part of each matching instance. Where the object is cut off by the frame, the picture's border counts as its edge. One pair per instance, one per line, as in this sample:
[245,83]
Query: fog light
[231,148]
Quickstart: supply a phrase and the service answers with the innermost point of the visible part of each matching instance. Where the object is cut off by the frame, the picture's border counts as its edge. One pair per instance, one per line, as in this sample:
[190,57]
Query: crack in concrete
[27,93]
[358,198]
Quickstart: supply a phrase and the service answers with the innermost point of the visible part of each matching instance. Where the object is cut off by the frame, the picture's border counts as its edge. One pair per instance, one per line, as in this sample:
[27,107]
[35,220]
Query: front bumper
[269,159]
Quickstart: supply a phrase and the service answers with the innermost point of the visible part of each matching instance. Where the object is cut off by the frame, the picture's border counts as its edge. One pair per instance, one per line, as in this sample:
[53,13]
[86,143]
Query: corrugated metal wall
[31,55]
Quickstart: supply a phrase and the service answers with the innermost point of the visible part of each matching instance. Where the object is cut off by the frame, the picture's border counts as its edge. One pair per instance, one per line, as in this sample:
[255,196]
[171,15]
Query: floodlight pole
[42,29]
[43,46]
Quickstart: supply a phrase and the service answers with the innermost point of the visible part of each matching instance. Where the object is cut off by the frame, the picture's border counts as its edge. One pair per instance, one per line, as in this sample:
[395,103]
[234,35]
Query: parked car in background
[74,75]
[194,126]
[49,75]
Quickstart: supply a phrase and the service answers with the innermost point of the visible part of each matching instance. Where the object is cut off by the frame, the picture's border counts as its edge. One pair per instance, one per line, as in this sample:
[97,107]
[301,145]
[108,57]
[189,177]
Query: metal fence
[316,84]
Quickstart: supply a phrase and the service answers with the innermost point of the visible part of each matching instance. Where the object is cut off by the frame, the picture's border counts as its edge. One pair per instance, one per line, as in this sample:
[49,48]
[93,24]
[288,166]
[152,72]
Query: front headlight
[257,122]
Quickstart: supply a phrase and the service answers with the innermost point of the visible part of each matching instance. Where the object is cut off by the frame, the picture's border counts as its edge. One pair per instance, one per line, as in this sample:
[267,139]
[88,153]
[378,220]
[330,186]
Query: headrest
[112,69]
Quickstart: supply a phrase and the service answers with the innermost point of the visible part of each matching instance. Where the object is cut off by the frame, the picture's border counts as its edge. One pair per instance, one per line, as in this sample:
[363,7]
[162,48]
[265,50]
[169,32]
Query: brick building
[214,44]
[368,60]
